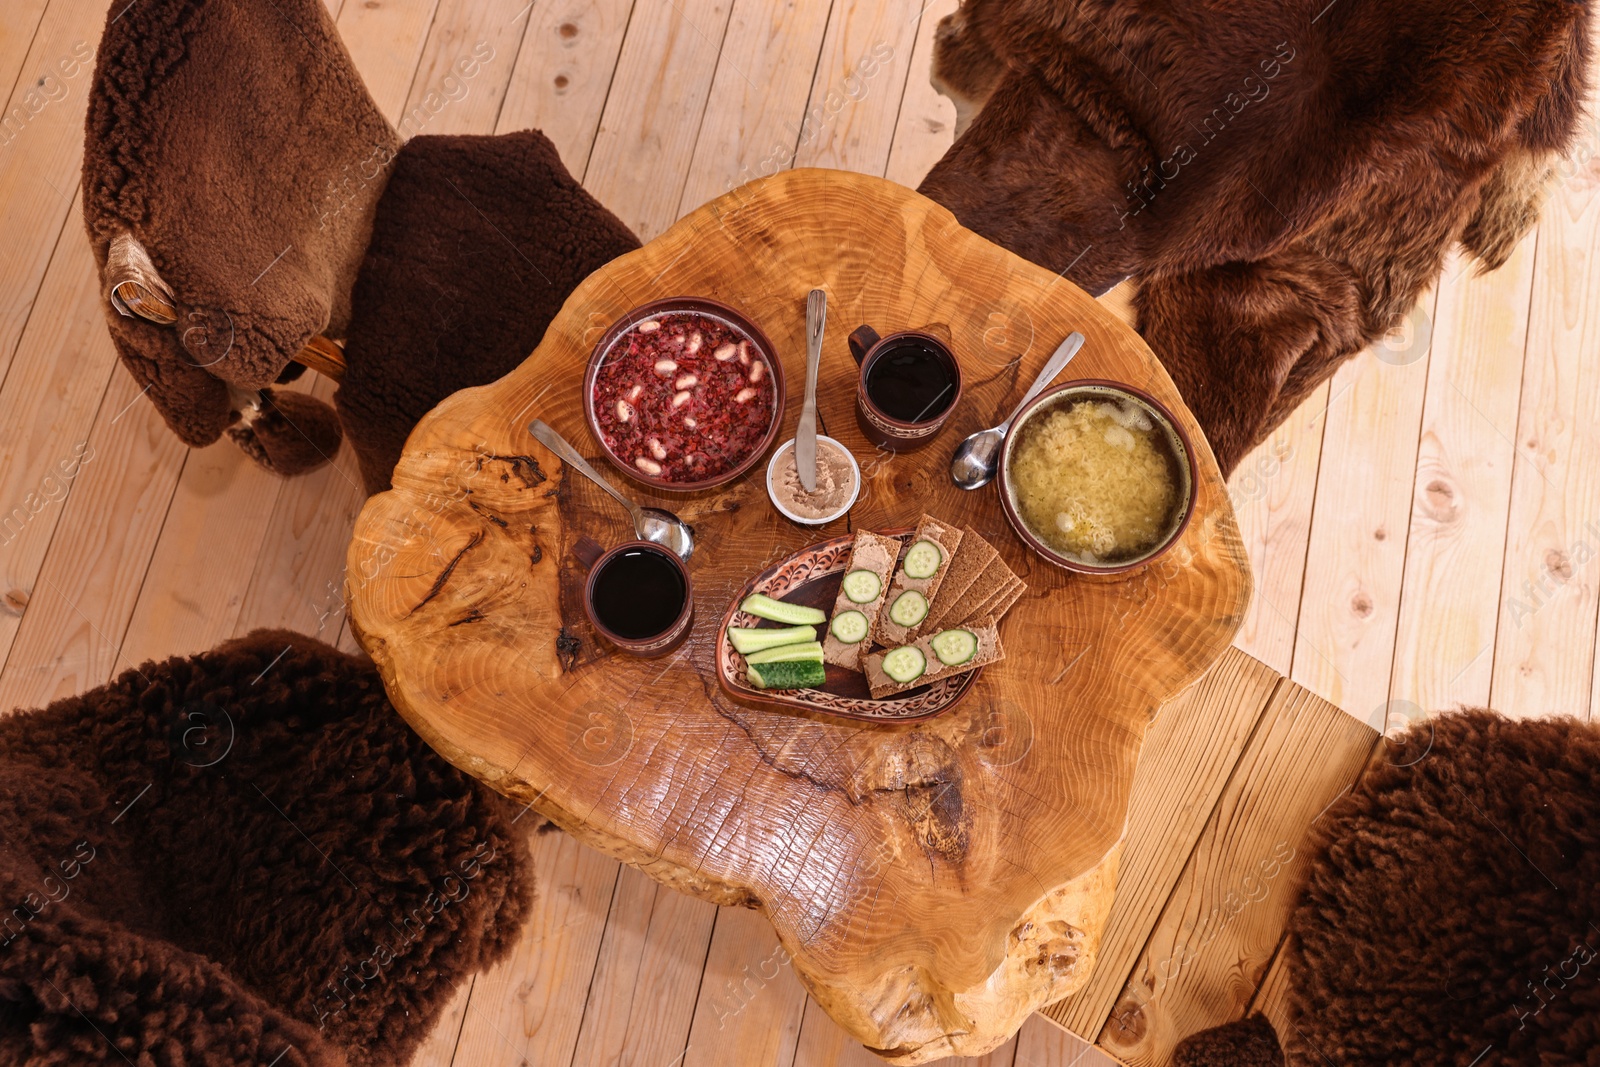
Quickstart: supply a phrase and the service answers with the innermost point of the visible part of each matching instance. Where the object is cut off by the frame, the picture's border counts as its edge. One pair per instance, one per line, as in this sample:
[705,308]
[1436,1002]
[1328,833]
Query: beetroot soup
[683,397]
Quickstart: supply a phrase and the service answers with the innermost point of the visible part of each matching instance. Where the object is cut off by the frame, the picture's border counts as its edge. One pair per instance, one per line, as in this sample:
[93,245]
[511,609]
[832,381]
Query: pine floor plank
[1042,1043]
[757,105]
[926,125]
[439,1048]
[47,405]
[563,73]
[1544,644]
[465,68]
[528,1009]
[1449,604]
[641,156]
[1273,492]
[18,24]
[751,1003]
[642,998]
[1344,642]
[859,83]
[1224,918]
[1188,758]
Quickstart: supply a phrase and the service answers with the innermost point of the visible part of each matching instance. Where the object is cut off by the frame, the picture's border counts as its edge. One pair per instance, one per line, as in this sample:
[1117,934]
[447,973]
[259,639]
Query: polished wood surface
[933,884]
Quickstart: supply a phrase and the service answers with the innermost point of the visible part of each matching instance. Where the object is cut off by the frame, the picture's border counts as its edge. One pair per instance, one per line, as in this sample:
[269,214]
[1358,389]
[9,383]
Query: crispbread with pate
[989,651]
[876,553]
[948,540]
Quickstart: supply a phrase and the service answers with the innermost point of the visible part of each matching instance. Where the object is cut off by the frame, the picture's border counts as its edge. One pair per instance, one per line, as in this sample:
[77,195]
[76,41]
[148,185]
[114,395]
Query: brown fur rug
[477,243]
[1452,911]
[1247,1043]
[241,858]
[236,142]
[1285,177]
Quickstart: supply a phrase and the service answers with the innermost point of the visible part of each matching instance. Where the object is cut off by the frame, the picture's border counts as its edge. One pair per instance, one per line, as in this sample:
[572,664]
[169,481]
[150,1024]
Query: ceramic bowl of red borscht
[684,393]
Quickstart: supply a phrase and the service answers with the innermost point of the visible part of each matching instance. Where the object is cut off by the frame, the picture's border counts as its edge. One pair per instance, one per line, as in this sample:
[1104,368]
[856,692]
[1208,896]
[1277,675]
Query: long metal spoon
[651,524]
[975,460]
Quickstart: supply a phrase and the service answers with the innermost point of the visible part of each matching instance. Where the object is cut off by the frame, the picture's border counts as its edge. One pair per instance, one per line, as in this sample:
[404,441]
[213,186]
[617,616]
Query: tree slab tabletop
[933,883]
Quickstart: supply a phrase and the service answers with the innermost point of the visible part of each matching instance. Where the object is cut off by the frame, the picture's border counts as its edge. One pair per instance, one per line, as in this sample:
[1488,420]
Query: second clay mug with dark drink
[910,383]
[638,595]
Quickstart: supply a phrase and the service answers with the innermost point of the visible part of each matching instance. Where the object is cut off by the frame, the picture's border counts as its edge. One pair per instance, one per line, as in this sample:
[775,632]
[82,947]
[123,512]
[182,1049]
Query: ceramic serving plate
[811,577]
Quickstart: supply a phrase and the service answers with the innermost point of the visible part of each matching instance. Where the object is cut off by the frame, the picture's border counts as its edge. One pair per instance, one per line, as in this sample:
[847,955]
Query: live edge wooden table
[934,882]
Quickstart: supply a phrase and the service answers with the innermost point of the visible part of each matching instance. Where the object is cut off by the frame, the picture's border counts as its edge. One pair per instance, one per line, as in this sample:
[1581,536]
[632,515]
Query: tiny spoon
[651,524]
[976,459]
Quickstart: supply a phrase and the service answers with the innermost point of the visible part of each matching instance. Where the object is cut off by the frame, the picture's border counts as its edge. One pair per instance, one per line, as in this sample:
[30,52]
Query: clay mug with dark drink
[638,596]
[910,382]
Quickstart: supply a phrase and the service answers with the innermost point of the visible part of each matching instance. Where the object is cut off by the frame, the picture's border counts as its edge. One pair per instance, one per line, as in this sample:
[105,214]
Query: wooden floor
[1424,532]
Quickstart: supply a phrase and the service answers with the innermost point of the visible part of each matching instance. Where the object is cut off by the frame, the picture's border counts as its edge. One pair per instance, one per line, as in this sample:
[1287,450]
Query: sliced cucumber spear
[923,559]
[811,650]
[804,675]
[905,664]
[748,640]
[862,586]
[954,647]
[849,627]
[909,608]
[764,607]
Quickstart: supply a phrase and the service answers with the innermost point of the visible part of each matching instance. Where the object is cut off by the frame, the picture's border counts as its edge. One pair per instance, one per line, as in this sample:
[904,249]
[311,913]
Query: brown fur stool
[477,243]
[1284,178]
[232,163]
[1452,912]
[242,857]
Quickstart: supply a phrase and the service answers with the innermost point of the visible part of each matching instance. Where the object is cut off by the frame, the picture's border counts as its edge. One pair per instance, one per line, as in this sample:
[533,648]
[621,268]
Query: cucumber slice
[909,608]
[849,627]
[954,647]
[811,650]
[905,664]
[804,675]
[862,586]
[764,607]
[749,639]
[923,559]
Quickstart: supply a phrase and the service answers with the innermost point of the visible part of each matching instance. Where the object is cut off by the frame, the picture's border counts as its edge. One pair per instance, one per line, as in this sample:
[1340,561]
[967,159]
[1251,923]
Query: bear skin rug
[1452,910]
[1284,178]
[242,857]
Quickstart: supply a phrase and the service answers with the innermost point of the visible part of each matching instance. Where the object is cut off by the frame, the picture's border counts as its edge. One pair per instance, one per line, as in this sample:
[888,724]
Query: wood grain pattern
[859,82]
[752,806]
[1544,645]
[1223,922]
[1193,745]
[750,1006]
[1344,644]
[1444,643]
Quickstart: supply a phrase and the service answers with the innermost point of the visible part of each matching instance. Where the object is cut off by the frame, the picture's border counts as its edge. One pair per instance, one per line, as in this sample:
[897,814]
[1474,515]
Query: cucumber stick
[954,647]
[811,650]
[909,608]
[905,664]
[862,586]
[850,627]
[748,640]
[923,559]
[764,607]
[803,675]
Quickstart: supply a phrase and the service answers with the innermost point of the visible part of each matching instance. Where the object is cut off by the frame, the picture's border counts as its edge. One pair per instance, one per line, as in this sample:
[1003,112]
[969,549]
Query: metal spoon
[651,524]
[976,459]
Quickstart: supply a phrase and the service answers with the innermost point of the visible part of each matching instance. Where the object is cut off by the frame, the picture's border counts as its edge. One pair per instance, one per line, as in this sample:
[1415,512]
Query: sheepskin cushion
[1452,914]
[243,857]
[477,243]
[1247,1043]
[235,142]
[1284,177]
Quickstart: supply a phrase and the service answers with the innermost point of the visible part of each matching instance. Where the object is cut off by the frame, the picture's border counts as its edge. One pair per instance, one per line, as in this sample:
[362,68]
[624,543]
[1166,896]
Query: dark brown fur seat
[1284,177]
[477,243]
[241,858]
[1452,913]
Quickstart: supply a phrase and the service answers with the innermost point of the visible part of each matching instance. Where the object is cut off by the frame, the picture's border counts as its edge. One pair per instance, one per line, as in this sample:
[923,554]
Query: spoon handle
[1058,362]
[569,455]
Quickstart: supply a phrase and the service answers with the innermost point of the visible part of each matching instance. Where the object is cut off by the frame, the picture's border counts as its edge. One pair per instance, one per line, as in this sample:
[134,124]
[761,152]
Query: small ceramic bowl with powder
[838,483]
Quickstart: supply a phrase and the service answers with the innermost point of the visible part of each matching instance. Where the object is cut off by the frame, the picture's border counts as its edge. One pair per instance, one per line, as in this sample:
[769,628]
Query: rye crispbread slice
[989,651]
[876,553]
[886,631]
[973,555]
